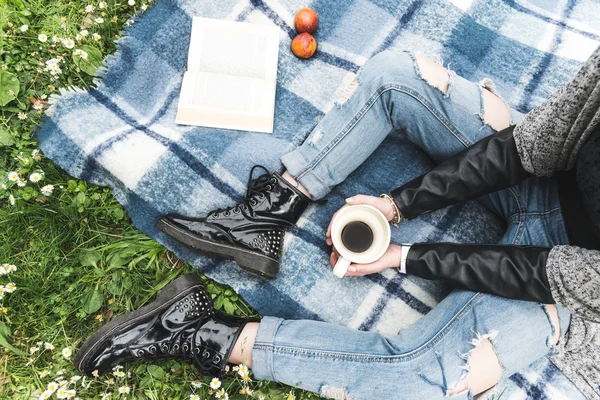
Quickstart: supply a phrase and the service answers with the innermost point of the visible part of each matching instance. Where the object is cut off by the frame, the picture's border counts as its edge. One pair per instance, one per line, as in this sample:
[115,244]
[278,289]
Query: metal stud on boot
[251,233]
[180,324]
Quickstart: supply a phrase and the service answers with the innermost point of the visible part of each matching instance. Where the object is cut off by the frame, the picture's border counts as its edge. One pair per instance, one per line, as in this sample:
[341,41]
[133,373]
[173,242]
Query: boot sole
[254,263]
[175,290]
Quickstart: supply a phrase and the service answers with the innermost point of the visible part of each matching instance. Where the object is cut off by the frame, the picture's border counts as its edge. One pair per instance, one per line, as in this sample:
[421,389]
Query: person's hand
[390,259]
[379,203]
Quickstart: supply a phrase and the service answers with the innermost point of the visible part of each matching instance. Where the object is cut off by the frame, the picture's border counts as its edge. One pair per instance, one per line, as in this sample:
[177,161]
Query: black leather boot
[180,324]
[251,233]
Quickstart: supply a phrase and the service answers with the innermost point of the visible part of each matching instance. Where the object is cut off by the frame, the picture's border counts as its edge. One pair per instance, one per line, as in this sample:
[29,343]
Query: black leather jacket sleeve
[489,165]
[514,272]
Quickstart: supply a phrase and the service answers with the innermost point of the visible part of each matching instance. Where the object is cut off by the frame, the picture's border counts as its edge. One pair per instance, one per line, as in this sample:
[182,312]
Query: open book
[231,76]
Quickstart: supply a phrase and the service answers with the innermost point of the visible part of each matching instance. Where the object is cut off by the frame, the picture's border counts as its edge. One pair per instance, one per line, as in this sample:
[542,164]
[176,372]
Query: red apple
[306,20]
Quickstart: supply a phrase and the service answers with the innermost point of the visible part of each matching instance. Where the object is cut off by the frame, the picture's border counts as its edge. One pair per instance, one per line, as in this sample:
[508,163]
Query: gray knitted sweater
[549,139]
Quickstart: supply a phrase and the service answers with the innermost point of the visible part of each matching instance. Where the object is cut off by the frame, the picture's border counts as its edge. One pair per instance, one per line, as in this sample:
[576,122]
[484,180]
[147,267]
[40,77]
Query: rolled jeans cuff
[297,166]
[262,353]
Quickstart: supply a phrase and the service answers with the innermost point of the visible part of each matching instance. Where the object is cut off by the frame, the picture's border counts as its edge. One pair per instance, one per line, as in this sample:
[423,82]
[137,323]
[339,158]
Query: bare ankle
[242,350]
[289,178]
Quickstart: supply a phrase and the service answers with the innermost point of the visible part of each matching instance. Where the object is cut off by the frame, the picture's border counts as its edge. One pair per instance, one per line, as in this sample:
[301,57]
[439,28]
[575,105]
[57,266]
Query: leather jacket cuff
[515,272]
[489,165]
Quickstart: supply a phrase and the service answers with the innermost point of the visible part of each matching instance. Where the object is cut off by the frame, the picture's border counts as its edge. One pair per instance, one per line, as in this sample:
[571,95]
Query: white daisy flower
[243,370]
[13,176]
[24,28]
[47,190]
[37,105]
[44,373]
[197,385]
[35,177]
[52,386]
[22,115]
[11,268]
[124,390]
[194,397]
[119,374]
[61,393]
[102,4]
[215,383]
[105,396]
[144,7]
[95,373]
[11,200]
[78,37]
[99,20]
[89,8]
[84,32]
[71,393]
[75,378]
[32,350]
[21,182]
[3,269]
[42,37]
[10,287]
[96,36]
[68,43]
[45,395]
[48,346]
[82,54]
[66,352]
[221,394]
[131,2]
[56,39]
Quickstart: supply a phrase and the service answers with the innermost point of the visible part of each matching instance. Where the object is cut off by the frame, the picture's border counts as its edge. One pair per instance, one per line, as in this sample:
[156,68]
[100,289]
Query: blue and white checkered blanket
[123,135]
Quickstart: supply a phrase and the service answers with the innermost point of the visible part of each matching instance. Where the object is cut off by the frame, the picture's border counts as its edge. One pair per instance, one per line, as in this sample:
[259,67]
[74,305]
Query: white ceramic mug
[378,224]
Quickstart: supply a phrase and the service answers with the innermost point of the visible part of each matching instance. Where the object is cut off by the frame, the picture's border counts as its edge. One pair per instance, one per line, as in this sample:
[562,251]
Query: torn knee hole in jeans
[434,73]
[482,369]
[553,341]
[494,111]
[332,392]
[346,89]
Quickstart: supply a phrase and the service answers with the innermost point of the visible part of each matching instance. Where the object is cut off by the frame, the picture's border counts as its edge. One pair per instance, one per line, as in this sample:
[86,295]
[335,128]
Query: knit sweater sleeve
[550,137]
[574,279]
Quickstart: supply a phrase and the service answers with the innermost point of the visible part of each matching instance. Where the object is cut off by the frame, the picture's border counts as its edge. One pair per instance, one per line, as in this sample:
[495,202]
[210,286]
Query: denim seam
[360,114]
[540,214]
[520,231]
[371,358]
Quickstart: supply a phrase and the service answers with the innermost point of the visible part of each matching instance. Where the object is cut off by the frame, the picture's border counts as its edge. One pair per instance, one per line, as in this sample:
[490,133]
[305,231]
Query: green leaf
[89,258]
[6,139]
[19,4]
[156,372]
[92,301]
[4,336]
[93,61]
[9,87]
[219,302]
[229,307]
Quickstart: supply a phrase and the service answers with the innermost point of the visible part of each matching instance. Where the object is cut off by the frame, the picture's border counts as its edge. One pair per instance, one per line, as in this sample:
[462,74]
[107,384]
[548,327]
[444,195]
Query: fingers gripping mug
[361,235]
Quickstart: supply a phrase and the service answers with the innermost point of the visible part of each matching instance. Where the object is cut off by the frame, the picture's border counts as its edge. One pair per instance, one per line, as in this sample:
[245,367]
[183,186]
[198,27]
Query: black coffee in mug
[357,236]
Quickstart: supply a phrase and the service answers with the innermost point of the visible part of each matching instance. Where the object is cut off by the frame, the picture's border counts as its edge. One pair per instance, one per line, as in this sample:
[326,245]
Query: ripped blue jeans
[430,357]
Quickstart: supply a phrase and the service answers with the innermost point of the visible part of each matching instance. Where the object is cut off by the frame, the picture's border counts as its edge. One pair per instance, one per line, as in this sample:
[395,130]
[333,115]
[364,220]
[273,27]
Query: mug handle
[341,267]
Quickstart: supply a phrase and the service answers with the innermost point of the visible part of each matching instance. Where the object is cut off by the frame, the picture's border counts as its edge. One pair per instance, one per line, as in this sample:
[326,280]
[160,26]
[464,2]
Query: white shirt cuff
[405,249]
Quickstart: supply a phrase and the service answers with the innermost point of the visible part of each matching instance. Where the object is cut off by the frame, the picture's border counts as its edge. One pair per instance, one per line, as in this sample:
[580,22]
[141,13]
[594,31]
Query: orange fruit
[304,45]
[306,20]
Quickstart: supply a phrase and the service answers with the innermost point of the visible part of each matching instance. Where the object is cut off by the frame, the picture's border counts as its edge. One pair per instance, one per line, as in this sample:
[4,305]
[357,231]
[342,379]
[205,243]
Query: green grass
[79,260]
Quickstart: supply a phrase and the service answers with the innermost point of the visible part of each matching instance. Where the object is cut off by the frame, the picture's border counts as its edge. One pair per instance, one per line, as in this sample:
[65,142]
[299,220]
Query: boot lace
[254,192]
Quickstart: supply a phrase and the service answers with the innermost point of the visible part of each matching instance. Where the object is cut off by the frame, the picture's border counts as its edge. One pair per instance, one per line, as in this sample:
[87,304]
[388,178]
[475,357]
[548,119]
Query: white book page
[231,77]
[231,93]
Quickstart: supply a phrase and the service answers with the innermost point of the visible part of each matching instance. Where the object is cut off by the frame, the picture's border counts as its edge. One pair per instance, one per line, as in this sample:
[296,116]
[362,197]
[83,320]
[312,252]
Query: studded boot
[180,324]
[251,233]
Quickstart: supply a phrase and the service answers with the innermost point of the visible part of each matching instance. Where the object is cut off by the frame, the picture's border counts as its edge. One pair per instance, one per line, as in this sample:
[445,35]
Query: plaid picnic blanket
[123,135]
